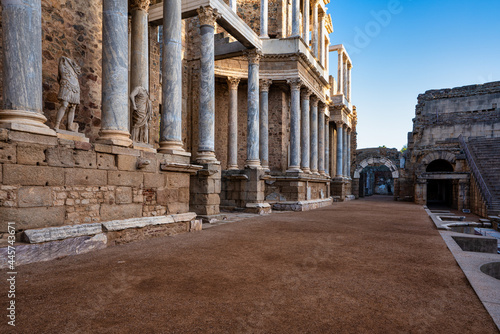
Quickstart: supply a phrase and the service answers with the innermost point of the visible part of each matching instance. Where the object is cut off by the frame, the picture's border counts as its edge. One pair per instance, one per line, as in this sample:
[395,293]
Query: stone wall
[49,182]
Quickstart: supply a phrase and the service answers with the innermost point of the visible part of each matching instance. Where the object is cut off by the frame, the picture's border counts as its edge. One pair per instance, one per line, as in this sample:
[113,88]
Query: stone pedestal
[245,189]
[205,189]
[340,189]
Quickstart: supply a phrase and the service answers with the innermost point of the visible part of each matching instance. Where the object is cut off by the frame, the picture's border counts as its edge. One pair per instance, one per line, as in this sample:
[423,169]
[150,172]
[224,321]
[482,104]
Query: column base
[314,171]
[252,164]
[25,121]
[171,146]
[294,169]
[206,157]
[322,173]
[115,137]
[233,167]
[306,170]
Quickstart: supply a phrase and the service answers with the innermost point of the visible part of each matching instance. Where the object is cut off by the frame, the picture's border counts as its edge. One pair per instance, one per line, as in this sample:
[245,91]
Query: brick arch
[438,155]
[376,161]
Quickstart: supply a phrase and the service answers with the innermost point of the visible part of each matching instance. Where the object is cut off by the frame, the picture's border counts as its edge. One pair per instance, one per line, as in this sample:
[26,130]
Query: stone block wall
[49,182]
[288,189]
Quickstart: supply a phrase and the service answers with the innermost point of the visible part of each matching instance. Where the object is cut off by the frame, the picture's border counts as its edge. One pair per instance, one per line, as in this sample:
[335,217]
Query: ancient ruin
[185,109]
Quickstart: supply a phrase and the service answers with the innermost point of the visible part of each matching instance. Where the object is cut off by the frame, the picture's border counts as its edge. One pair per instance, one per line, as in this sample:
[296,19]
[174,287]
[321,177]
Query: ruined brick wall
[279,130]
[154,84]
[49,182]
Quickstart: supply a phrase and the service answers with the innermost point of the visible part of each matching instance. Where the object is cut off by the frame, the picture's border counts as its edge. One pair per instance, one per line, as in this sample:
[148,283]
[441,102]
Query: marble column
[321,43]
[232,141]
[305,143]
[315,29]
[349,82]
[206,117]
[115,110]
[264,18]
[340,75]
[348,158]
[171,116]
[253,158]
[340,150]
[232,5]
[344,151]
[305,28]
[321,141]
[22,64]
[314,135]
[264,123]
[294,166]
[295,18]
[345,77]
[139,62]
[327,145]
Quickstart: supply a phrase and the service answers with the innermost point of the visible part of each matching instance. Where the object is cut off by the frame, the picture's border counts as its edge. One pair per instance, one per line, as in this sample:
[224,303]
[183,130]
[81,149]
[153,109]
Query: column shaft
[206,117]
[340,75]
[327,146]
[345,78]
[232,4]
[321,46]
[305,143]
[115,110]
[295,17]
[264,123]
[315,29]
[340,152]
[232,141]
[139,63]
[253,111]
[171,117]
[314,135]
[305,28]
[349,83]
[264,18]
[321,142]
[344,151]
[22,63]
[294,166]
[348,160]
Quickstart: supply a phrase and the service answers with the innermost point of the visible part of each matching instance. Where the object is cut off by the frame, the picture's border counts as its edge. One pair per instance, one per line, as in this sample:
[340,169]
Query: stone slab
[46,131]
[118,225]
[123,178]
[31,253]
[33,175]
[85,177]
[36,138]
[112,149]
[29,218]
[71,135]
[62,232]
[34,197]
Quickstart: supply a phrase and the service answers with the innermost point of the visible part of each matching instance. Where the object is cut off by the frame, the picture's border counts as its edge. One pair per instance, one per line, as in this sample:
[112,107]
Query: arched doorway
[376,180]
[439,191]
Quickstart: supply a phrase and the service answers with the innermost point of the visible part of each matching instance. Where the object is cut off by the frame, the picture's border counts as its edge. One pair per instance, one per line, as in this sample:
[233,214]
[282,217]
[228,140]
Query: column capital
[140,4]
[207,15]
[295,83]
[254,56]
[314,100]
[233,82]
[265,84]
[305,94]
[339,123]
[314,2]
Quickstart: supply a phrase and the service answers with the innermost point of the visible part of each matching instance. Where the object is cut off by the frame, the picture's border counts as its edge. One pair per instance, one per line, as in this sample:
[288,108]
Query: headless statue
[142,114]
[69,92]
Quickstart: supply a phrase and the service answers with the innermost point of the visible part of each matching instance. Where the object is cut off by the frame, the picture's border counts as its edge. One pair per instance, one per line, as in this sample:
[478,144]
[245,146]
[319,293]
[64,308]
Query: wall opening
[439,193]
[439,165]
[376,180]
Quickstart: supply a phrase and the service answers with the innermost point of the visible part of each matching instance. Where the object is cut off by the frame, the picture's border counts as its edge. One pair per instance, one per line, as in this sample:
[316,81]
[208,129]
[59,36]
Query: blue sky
[401,48]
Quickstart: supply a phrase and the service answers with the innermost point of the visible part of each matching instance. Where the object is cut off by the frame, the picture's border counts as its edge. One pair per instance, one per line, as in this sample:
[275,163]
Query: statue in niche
[141,115]
[69,91]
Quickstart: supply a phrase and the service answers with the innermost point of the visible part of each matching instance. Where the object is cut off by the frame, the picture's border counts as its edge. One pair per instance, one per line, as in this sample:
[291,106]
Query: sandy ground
[366,266]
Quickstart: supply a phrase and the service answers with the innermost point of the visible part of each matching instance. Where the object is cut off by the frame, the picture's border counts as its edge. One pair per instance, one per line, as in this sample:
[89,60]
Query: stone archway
[368,183]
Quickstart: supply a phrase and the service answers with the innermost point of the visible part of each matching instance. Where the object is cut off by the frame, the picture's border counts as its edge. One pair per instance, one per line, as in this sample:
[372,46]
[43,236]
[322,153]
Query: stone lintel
[178,167]
[62,232]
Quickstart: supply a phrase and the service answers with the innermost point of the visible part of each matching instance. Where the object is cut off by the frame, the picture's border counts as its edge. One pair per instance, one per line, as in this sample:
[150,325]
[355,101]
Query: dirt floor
[365,266]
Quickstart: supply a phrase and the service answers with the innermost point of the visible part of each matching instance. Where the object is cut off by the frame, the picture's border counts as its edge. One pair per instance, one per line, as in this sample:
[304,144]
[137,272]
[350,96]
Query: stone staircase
[486,153]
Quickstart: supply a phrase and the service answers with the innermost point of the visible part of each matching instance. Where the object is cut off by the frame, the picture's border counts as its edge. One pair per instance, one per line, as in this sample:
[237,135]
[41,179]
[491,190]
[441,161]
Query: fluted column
[305,28]
[264,18]
[348,158]
[344,151]
[232,4]
[264,123]
[327,146]
[139,62]
[349,82]
[314,134]
[294,166]
[206,118]
[253,158]
[171,116]
[115,111]
[305,143]
[232,141]
[22,64]
[295,18]
[321,44]
[345,77]
[315,29]
[340,152]
[340,79]
[321,142]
